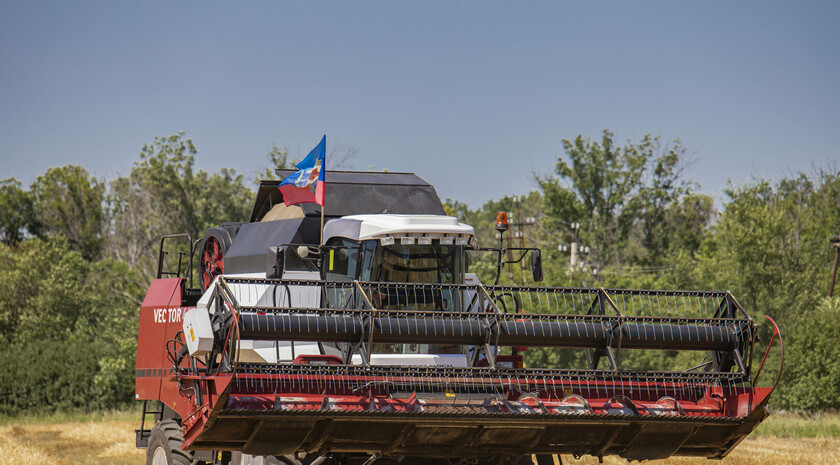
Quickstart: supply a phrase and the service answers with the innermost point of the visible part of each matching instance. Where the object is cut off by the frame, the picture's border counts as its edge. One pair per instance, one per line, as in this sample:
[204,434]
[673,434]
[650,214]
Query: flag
[307,185]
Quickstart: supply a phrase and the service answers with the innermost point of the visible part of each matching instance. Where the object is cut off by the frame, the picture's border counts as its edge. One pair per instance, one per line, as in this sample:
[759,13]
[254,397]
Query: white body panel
[197,331]
[365,227]
[440,360]
[264,295]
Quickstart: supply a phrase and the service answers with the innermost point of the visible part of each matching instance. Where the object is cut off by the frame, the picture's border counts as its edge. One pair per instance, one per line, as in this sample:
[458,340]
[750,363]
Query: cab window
[341,259]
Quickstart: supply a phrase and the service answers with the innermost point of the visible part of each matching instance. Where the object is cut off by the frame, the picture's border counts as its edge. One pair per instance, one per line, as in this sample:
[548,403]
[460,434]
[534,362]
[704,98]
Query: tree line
[77,254]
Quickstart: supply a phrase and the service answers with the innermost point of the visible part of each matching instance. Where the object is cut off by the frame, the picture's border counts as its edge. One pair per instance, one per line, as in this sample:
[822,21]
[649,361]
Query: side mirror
[275,261]
[536,265]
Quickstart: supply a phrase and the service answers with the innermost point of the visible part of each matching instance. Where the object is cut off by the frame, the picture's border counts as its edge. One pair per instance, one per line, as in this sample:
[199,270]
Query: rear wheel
[165,445]
[212,250]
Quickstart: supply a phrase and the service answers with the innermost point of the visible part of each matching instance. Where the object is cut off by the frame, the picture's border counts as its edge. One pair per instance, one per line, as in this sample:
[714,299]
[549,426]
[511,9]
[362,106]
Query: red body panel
[300,413]
[161,317]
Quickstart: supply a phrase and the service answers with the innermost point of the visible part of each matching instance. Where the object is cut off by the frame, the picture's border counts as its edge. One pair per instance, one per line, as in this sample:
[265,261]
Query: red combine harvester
[377,345]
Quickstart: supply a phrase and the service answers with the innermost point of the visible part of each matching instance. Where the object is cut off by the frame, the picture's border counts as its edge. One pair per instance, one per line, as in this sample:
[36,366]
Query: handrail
[162,253]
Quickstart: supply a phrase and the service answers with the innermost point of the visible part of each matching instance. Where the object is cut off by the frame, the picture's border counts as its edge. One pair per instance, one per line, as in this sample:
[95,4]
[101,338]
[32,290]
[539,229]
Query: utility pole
[835,241]
[575,249]
[573,255]
[510,259]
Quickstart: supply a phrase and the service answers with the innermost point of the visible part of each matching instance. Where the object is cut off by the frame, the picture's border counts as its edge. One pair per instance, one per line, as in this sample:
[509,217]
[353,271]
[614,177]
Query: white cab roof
[364,227]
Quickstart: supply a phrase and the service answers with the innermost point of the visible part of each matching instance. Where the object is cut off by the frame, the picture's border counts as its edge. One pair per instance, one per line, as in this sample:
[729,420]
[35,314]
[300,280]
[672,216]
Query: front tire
[165,444]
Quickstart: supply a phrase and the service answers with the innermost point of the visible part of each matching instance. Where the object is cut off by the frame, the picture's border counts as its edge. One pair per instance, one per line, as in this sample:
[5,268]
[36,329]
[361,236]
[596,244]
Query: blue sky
[473,96]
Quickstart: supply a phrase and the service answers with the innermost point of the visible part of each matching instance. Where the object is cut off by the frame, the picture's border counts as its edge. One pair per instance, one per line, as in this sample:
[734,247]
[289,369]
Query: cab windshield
[380,264]
[432,263]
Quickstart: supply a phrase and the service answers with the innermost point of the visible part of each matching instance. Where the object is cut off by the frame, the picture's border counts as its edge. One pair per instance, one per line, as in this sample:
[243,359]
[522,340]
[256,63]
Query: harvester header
[378,345]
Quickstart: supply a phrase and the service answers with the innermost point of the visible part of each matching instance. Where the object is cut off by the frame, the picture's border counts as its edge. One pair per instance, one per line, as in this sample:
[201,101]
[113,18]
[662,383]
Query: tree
[278,159]
[166,194]
[166,172]
[770,247]
[68,328]
[605,179]
[812,370]
[133,224]
[686,223]
[68,201]
[48,290]
[186,199]
[17,215]
[625,197]
[660,197]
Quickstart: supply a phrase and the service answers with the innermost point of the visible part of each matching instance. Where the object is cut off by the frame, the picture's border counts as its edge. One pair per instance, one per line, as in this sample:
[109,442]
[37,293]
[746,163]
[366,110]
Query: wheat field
[110,440]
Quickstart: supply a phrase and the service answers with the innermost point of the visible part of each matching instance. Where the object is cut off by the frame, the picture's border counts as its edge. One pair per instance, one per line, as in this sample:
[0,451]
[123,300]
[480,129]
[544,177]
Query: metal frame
[359,316]
[162,255]
[322,407]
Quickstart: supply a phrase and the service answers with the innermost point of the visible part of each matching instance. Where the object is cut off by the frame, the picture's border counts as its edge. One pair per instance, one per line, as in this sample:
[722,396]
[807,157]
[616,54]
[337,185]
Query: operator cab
[397,249]
[404,250]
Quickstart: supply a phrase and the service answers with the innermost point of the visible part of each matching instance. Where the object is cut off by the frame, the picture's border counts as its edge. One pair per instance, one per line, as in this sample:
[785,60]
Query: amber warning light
[502,221]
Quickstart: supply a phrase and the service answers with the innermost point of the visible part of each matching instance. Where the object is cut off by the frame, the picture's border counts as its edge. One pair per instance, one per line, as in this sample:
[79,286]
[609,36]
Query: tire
[165,445]
[232,229]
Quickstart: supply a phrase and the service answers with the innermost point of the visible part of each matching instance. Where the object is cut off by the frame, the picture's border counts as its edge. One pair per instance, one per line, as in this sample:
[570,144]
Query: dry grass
[91,442]
[109,440]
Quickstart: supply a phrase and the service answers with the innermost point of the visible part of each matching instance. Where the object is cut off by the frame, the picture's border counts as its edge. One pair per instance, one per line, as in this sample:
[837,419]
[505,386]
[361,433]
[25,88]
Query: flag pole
[322,223]
[324,188]
[324,199]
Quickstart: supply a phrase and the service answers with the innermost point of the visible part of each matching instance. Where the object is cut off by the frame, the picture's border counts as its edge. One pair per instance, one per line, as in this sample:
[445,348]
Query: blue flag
[307,185]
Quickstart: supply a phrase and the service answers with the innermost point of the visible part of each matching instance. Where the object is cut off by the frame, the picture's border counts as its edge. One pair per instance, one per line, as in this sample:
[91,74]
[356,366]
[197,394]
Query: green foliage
[185,199]
[17,214]
[602,175]
[76,256]
[604,179]
[277,159]
[41,295]
[166,194]
[50,374]
[75,261]
[68,201]
[812,365]
[67,328]
[630,200]
[769,246]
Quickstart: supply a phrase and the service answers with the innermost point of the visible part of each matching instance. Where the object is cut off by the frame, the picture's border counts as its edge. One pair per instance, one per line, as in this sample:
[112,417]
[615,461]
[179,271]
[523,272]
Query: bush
[811,377]
[68,329]
[48,375]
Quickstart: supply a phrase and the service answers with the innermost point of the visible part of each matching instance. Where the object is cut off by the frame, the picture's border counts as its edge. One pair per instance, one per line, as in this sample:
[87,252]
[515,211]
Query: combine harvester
[377,345]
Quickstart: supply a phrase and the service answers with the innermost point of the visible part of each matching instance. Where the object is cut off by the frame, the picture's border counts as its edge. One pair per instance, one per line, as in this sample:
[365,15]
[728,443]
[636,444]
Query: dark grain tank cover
[357,193]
